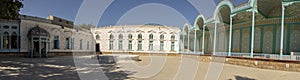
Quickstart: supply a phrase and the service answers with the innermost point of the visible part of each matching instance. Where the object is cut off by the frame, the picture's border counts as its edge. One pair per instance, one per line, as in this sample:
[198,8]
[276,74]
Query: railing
[255,55]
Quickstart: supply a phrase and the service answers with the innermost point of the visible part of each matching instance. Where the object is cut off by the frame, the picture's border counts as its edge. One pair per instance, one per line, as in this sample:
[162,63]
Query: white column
[183,42]
[195,35]
[282,31]
[215,33]
[230,36]
[178,42]
[188,41]
[252,32]
[203,37]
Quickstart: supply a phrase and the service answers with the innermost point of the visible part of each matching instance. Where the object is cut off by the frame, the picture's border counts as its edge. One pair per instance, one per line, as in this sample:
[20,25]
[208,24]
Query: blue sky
[121,12]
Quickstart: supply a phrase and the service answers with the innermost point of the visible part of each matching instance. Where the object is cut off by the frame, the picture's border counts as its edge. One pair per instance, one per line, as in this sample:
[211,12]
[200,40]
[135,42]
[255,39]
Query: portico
[39,42]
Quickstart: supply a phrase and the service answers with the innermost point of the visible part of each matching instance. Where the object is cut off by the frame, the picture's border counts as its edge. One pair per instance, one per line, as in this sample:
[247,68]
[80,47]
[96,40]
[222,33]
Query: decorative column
[195,35]
[203,38]
[178,42]
[215,34]
[230,36]
[183,42]
[282,27]
[252,32]
[188,41]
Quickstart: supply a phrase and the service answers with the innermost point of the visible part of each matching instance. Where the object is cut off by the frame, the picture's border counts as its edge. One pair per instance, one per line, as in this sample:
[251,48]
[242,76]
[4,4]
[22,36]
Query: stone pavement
[58,68]
[150,68]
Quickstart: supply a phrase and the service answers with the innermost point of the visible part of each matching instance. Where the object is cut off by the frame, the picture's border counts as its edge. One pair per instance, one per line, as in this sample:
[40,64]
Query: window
[111,44]
[130,45]
[120,36]
[140,36]
[161,45]
[129,36]
[5,27]
[56,42]
[139,45]
[97,37]
[172,37]
[151,36]
[88,45]
[120,42]
[172,46]
[72,43]
[67,43]
[120,45]
[151,46]
[111,37]
[14,27]
[6,40]
[162,37]
[80,44]
[14,40]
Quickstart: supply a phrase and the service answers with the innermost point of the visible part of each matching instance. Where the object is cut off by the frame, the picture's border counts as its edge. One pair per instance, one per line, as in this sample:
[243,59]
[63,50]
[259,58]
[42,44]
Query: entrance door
[36,48]
[43,49]
[97,47]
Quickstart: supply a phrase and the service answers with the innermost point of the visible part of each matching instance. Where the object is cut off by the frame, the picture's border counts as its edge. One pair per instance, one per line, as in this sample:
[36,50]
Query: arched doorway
[39,42]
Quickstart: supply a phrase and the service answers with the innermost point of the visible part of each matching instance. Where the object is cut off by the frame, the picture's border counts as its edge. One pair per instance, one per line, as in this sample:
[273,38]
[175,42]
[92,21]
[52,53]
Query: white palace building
[137,38]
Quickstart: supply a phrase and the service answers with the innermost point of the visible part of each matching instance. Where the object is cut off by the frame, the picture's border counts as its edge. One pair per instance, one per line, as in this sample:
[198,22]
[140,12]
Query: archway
[39,42]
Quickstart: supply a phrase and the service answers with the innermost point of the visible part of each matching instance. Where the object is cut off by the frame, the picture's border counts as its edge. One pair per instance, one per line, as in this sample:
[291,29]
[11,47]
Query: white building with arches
[253,29]
[39,37]
[137,38]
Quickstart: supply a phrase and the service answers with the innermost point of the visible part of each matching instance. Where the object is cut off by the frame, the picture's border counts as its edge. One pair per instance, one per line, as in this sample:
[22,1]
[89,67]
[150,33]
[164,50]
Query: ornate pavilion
[252,29]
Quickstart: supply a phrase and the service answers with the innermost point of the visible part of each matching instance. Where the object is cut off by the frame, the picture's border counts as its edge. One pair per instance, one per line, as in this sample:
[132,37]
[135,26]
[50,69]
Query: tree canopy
[9,9]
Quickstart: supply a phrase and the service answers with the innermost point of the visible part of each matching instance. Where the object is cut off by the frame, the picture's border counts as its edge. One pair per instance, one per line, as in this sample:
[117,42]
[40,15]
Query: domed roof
[37,31]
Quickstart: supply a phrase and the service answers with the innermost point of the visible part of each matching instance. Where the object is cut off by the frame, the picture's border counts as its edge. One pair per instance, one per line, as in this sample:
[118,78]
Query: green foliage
[9,9]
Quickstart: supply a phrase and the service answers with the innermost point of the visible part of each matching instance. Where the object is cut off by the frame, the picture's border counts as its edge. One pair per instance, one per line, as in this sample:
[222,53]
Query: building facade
[40,37]
[256,27]
[137,38]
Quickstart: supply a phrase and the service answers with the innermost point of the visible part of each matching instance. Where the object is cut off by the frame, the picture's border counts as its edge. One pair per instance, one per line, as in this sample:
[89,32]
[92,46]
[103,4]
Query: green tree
[9,9]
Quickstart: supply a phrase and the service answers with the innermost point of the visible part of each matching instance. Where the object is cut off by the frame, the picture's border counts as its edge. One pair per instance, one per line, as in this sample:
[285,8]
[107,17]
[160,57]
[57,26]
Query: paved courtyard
[149,68]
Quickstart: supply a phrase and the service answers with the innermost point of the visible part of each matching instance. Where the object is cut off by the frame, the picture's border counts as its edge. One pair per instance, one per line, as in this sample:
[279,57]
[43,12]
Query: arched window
[88,45]
[14,40]
[68,43]
[130,36]
[120,36]
[98,37]
[120,42]
[172,43]
[130,42]
[172,37]
[151,36]
[6,40]
[162,37]
[111,36]
[80,44]
[111,42]
[162,42]
[140,36]
[140,42]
